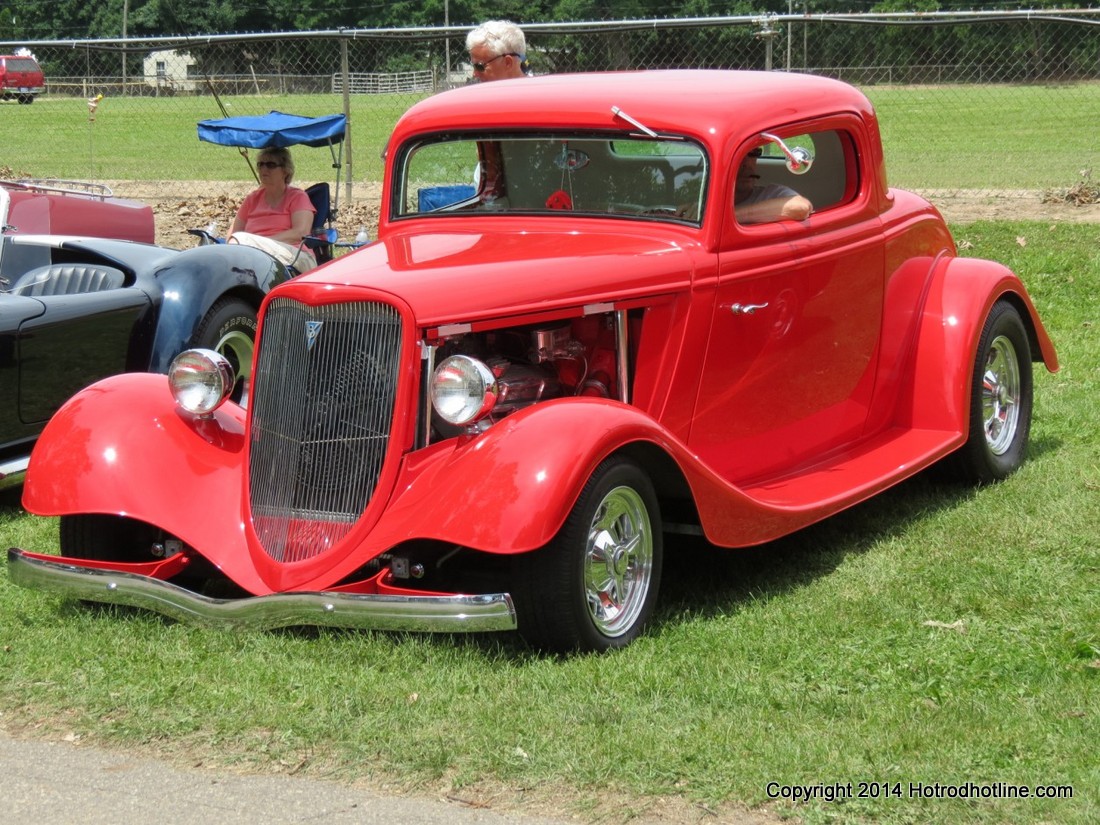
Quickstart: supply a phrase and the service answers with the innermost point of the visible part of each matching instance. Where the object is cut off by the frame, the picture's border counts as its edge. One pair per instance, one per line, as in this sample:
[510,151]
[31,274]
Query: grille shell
[322,410]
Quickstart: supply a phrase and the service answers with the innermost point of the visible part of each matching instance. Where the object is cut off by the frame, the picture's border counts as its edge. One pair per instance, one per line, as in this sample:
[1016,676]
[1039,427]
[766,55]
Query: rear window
[21,64]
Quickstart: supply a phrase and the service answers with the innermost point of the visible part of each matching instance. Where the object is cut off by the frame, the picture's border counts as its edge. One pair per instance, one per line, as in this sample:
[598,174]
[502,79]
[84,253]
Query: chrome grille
[322,409]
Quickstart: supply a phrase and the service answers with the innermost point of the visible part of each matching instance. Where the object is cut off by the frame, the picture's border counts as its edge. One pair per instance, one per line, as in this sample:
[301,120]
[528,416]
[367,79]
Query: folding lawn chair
[279,129]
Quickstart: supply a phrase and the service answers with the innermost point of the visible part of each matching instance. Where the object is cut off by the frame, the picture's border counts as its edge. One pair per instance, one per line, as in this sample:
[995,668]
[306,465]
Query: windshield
[646,178]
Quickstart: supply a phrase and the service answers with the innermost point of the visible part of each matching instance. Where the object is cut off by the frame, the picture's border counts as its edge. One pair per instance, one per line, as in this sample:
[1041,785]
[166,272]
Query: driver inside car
[760,203]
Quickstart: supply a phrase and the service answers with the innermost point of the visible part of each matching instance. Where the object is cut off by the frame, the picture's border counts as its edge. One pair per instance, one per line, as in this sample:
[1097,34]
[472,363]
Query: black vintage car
[76,309]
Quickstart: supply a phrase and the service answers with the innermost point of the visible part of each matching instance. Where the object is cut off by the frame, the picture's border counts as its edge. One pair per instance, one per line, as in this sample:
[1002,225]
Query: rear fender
[190,284]
[961,293]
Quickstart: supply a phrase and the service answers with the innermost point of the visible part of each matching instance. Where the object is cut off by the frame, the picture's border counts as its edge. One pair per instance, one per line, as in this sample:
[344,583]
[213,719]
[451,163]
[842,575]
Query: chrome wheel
[594,586]
[618,567]
[1001,395]
[999,418]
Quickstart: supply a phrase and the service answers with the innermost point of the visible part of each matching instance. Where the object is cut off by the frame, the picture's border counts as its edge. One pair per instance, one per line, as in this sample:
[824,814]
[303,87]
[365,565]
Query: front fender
[193,280]
[122,447]
[509,489]
[961,293]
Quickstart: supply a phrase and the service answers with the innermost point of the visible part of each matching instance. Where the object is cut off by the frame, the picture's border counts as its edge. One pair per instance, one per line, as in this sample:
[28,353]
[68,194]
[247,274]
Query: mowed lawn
[144,138]
[945,137]
[935,641]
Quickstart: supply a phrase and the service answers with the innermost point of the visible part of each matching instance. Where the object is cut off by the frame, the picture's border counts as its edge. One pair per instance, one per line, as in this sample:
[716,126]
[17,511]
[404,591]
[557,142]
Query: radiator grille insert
[322,410]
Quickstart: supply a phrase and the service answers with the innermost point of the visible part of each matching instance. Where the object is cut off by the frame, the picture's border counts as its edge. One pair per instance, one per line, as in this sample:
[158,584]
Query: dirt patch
[1014,205]
[175,215]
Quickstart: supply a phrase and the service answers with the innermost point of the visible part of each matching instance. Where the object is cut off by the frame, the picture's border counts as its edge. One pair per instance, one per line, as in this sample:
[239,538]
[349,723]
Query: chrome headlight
[201,380]
[463,390]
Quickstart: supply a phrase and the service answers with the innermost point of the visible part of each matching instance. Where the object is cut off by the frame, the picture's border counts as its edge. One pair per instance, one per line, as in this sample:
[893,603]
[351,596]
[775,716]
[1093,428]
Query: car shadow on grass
[703,580]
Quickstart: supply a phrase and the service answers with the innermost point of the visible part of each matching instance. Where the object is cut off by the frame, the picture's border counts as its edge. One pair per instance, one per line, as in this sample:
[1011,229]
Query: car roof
[698,102]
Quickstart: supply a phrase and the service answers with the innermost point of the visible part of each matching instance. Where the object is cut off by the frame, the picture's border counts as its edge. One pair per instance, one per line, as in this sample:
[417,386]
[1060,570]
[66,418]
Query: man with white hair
[498,51]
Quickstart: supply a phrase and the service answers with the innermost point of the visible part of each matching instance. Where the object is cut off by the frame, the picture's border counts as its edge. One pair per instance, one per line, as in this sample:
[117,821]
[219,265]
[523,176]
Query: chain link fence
[987,104]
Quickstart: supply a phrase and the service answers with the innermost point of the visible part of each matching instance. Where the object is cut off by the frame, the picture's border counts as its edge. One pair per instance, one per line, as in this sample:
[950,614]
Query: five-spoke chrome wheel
[594,586]
[618,569]
[1000,396]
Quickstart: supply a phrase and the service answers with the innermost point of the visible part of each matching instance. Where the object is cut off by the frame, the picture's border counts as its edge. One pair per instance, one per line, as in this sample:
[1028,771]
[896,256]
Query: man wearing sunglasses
[498,51]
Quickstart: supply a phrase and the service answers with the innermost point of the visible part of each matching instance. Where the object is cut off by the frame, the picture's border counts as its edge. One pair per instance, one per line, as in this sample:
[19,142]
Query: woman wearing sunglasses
[498,51]
[276,216]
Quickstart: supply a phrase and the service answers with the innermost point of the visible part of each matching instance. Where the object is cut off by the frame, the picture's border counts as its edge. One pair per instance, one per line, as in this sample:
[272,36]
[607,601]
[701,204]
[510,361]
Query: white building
[170,71]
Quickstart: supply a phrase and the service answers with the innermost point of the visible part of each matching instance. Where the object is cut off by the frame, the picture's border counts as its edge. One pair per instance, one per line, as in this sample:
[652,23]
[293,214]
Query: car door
[789,369]
[76,341]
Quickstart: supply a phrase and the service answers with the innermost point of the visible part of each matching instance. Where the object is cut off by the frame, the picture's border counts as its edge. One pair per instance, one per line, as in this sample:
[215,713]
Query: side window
[766,189]
[438,176]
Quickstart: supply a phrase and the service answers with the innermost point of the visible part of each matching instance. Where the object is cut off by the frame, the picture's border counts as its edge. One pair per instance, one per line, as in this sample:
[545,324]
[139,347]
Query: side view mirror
[799,159]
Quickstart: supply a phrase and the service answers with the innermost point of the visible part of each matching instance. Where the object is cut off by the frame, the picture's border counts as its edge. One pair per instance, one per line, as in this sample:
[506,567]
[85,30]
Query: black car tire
[1000,401]
[594,586]
[229,329]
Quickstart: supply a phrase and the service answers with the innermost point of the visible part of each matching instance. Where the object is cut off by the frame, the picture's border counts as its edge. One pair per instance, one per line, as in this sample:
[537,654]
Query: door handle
[746,309]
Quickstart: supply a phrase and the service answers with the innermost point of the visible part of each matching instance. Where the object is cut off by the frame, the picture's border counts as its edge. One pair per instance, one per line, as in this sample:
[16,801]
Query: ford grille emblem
[313,329]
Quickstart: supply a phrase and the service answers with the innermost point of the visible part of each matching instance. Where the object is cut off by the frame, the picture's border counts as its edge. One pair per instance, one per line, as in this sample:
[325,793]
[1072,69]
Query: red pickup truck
[21,78]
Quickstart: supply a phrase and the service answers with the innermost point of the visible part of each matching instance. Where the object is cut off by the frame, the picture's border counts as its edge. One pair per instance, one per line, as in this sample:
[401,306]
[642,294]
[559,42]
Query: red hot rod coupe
[573,336]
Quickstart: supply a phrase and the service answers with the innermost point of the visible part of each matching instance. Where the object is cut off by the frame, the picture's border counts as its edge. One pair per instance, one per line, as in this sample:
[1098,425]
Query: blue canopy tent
[279,129]
[274,129]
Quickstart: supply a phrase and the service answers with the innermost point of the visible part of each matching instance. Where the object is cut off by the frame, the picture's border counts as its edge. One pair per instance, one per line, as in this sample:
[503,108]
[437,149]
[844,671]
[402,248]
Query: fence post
[768,35]
[347,116]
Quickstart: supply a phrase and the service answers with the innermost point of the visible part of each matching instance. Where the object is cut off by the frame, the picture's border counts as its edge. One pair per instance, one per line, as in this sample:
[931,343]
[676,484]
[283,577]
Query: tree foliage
[77,19]
[32,20]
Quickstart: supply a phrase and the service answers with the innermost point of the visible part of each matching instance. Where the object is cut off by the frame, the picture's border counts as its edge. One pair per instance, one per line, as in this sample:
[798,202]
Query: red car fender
[510,489]
[121,446]
[961,293]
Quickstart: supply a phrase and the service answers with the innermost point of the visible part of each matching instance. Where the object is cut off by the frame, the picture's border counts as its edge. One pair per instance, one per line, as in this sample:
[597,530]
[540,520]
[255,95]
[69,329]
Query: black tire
[229,329]
[594,586]
[107,538]
[26,99]
[1000,401]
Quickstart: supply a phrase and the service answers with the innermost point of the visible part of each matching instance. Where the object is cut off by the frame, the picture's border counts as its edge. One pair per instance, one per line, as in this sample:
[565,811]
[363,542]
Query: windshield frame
[552,173]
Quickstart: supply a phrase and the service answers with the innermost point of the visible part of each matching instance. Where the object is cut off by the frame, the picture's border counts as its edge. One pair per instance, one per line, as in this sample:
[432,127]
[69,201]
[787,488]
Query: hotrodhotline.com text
[840,791]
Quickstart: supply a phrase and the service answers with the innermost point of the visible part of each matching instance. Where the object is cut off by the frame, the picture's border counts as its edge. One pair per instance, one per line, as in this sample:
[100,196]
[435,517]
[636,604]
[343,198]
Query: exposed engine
[537,363]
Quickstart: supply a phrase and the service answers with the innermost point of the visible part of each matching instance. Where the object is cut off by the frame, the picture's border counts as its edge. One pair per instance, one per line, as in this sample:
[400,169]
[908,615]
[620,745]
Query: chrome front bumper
[13,472]
[438,614]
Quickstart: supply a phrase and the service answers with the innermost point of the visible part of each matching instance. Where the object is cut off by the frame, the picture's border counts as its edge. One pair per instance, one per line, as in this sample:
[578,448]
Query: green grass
[988,136]
[142,138]
[936,137]
[937,634]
